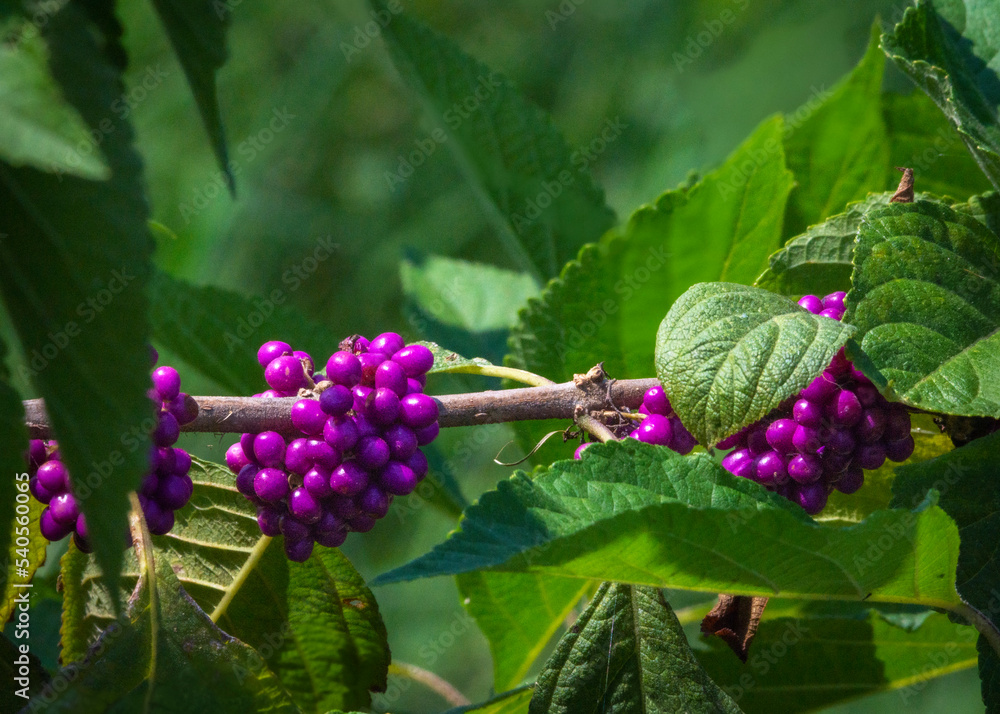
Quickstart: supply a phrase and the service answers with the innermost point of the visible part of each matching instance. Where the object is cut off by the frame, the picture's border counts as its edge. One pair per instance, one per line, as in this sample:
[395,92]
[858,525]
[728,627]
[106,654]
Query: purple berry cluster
[660,425]
[165,488]
[825,437]
[358,429]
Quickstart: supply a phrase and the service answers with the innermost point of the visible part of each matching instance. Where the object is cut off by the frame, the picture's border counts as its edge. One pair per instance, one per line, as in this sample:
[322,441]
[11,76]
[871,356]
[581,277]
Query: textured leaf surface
[165,655]
[74,266]
[507,147]
[819,261]
[446,360]
[631,512]
[518,614]
[32,557]
[317,620]
[626,653]
[950,50]
[13,442]
[512,702]
[722,228]
[197,31]
[839,152]
[729,354]
[38,127]
[805,664]
[218,331]
[926,302]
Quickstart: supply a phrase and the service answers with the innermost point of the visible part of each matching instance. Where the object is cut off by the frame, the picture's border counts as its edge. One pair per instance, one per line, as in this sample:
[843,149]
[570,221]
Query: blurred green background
[341,122]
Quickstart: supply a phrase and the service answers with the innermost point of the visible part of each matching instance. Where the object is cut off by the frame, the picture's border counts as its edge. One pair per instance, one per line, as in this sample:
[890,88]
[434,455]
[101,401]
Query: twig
[445,689]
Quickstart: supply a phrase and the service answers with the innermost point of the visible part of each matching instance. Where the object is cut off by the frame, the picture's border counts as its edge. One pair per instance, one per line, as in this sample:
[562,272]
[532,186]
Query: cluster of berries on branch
[357,433]
[825,437]
[165,488]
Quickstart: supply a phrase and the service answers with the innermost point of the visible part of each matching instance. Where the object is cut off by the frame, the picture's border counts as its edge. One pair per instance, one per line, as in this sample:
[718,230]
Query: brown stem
[236,415]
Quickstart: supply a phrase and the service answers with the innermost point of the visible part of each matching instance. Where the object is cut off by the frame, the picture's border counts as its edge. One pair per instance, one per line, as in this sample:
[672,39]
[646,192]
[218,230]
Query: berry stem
[554,401]
[255,555]
[445,689]
[982,623]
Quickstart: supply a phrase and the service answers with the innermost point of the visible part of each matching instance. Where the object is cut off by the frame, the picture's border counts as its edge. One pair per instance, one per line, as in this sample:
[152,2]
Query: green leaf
[218,331]
[805,664]
[13,443]
[165,654]
[635,513]
[476,297]
[926,302]
[75,258]
[970,494]
[518,614]
[448,361]
[921,138]
[543,204]
[729,354]
[607,304]
[33,555]
[626,653]
[197,31]
[512,702]
[949,50]
[38,128]
[985,208]
[317,621]
[820,260]
[839,152]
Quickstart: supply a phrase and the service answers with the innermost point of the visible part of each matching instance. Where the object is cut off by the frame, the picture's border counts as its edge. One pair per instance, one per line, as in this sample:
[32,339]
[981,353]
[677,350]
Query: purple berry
[383,406]
[418,464]
[771,468]
[388,343]
[268,519]
[53,477]
[374,501]
[757,441]
[159,520]
[332,539]
[285,374]
[370,362]
[832,314]
[839,365]
[820,389]
[303,506]
[897,424]
[174,491]
[292,528]
[270,484]
[341,433]
[246,444]
[81,527]
[270,351]
[343,368]
[867,394]
[418,410]
[167,430]
[167,383]
[900,450]
[235,458]
[305,360]
[807,413]
[322,454]
[413,386]
[36,453]
[841,440]
[812,498]
[402,441]
[870,456]
[269,448]
[41,494]
[835,300]
[811,303]
[734,440]
[64,509]
[851,480]
[872,425]
[372,453]
[655,400]
[844,408]
[397,478]
[342,507]
[655,429]
[308,417]
[337,400]
[578,454]
[348,479]
[317,482]
[683,441]
[362,522]
[414,359]
[805,468]
[361,394]
[245,480]
[427,434]
[298,551]
[834,462]
[806,440]
[390,375]
[780,435]
[740,463]
[297,456]
[52,529]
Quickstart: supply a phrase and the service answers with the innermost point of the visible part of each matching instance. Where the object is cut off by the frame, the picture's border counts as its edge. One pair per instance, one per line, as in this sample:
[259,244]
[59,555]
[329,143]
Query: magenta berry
[414,359]
[388,343]
[418,410]
[167,383]
[269,351]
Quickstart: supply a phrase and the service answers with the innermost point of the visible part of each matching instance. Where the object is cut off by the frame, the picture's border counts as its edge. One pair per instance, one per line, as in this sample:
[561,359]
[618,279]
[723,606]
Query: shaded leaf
[729,354]
[17,688]
[75,260]
[197,31]
[949,50]
[984,208]
[926,302]
[626,653]
[518,614]
[512,702]
[631,512]
[543,205]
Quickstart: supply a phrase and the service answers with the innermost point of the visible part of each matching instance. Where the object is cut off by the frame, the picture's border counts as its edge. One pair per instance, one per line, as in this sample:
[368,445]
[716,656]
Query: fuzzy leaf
[506,146]
[926,302]
[729,354]
[626,653]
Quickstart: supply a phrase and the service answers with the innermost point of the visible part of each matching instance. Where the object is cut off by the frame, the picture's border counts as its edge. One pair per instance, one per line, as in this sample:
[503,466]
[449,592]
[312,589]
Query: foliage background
[324,175]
